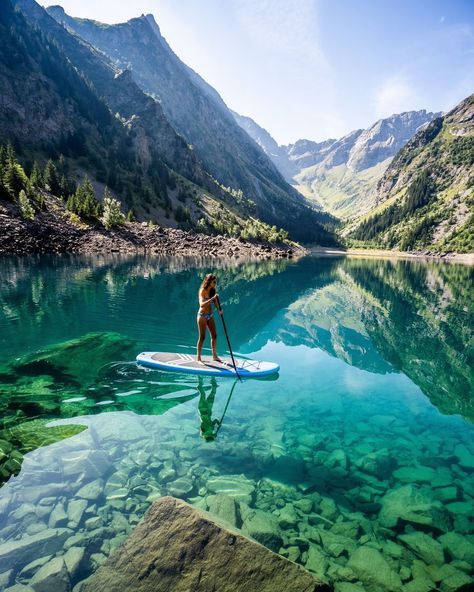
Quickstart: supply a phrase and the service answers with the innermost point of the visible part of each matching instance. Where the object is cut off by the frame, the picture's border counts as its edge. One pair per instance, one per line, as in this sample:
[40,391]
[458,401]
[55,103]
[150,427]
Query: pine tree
[90,206]
[26,208]
[64,190]
[131,216]
[14,178]
[112,213]
[51,178]
[36,178]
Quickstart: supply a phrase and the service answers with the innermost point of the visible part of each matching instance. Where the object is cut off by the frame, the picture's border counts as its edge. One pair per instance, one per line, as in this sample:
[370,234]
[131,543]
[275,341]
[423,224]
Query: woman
[207,295]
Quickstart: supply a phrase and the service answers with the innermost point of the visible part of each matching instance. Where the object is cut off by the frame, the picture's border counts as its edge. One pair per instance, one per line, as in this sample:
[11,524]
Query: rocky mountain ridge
[341,174]
[198,113]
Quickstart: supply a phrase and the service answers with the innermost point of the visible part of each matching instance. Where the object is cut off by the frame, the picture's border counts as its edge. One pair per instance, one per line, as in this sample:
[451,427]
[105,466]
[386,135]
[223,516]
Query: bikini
[206,315]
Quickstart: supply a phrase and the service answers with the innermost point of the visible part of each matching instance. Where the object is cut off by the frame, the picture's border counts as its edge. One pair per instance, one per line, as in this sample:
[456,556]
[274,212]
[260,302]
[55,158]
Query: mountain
[199,114]
[425,199]
[64,98]
[341,174]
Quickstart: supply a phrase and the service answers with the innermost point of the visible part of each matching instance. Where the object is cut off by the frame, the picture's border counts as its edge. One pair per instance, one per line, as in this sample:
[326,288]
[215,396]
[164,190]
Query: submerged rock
[424,546]
[78,360]
[410,504]
[374,571]
[52,577]
[180,548]
[263,527]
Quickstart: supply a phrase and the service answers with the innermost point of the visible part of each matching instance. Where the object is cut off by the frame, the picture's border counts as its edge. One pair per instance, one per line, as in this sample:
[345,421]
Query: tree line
[29,191]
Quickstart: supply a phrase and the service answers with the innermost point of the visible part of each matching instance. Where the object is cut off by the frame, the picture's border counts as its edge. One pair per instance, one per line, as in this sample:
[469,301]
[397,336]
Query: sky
[315,69]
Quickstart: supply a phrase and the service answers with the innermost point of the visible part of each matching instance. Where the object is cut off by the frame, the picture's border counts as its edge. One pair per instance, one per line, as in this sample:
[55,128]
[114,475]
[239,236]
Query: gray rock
[263,527]
[58,517]
[180,548]
[75,510]
[335,545]
[305,505]
[373,570]
[73,558]
[29,570]
[5,578]
[414,474]
[329,509]
[424,546]
[316,561]
[224,507]
[411,504]
[19,552]
[90,464]
[238,487]
[181,487]
[379,463]
[91,491]
[458,546]
[288,517]
[52,577]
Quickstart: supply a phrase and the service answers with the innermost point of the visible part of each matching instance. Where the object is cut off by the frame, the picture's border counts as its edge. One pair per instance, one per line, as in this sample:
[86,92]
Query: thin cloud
[395,95]
[283,25]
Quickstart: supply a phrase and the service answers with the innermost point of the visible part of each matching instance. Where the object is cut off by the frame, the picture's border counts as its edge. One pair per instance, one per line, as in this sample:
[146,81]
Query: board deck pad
[177,362]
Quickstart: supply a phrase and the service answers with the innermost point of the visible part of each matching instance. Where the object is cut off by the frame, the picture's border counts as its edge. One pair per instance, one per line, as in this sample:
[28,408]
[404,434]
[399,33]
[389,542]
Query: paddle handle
[218,304]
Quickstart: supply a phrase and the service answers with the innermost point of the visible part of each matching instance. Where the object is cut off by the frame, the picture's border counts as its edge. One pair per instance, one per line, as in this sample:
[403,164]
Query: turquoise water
[357,461]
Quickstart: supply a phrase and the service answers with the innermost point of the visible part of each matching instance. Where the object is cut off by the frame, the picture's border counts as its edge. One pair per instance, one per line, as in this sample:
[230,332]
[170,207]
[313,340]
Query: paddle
[218,305]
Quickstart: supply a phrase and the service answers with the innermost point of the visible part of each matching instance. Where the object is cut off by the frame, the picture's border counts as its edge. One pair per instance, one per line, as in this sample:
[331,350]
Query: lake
[356,461]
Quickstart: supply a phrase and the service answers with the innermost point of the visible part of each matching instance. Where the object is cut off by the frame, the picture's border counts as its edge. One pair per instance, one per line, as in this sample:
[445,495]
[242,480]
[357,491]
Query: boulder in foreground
[180,548]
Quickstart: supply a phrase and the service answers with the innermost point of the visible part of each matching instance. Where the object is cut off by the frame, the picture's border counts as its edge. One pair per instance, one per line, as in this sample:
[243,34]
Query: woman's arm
[203,302]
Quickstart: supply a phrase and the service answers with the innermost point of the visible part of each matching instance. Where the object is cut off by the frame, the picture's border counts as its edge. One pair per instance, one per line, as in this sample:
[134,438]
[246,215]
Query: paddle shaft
[218,304]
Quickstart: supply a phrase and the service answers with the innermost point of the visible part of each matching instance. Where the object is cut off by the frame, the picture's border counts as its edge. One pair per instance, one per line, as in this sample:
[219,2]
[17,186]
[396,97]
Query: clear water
[357,461]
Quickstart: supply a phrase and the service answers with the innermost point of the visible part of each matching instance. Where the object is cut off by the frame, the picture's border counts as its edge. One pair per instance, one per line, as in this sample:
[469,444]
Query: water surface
[357,461]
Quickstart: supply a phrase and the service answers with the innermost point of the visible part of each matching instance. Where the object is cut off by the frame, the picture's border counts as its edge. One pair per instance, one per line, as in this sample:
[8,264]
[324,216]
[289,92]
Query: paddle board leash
[221,314]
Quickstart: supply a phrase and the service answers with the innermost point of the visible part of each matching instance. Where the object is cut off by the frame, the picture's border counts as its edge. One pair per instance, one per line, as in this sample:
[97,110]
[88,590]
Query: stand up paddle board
[187,363]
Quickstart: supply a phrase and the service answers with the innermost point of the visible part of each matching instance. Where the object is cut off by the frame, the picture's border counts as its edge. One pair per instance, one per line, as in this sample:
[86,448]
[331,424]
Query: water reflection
[343,452]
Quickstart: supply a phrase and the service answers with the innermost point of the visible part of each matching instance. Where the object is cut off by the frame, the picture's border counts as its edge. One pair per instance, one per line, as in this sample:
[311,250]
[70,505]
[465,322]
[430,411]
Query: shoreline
[53,232]
[464,258]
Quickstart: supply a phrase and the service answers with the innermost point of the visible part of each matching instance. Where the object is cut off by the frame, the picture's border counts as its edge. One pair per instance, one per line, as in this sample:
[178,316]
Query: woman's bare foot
[216,359]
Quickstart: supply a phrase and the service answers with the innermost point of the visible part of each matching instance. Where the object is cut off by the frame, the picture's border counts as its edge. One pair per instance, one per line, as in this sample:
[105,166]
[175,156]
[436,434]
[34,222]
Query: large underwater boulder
[180,548]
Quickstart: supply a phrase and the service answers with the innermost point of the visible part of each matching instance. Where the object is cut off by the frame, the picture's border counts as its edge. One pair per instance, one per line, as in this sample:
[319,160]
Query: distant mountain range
[341,175]
[169,149]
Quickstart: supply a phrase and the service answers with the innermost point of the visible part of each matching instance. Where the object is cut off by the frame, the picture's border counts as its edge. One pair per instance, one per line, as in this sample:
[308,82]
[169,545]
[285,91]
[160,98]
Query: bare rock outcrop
[180,548]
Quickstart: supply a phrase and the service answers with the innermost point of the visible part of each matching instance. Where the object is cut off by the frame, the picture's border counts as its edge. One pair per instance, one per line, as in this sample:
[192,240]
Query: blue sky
[316,68]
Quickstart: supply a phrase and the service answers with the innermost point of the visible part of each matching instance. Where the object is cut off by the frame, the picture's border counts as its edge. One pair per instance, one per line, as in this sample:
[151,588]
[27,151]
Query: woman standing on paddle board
[207,295]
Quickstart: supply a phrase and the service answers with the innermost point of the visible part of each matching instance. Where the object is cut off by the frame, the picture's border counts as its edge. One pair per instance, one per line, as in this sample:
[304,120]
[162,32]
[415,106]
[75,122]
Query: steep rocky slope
[198,113]
[426,197]
[62,97]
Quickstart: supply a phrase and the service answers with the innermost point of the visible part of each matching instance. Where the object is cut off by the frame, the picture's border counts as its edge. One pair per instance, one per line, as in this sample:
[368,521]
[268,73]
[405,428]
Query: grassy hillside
[341,191]
[425,200]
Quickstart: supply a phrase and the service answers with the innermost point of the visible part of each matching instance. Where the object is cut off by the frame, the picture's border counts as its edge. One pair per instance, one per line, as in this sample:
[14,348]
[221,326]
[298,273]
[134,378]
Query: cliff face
[201,117]
[425,199]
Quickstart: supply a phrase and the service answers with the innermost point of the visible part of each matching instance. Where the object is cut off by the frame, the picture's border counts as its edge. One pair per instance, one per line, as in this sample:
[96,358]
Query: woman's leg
[201,323]
[212,330]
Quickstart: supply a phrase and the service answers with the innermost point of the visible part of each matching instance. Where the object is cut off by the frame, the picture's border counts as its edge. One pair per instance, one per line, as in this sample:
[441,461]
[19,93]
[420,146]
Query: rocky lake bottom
[357,462]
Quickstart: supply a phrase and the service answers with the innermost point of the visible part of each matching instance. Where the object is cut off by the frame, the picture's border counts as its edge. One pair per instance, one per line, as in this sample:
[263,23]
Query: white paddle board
[176,362]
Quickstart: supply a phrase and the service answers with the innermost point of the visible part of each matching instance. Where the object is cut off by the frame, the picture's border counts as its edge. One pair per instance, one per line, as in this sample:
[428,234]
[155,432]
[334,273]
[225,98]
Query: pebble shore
[53,232]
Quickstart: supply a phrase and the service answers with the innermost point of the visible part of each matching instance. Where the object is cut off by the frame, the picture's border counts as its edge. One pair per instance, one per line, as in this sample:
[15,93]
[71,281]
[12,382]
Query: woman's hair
[207,281]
